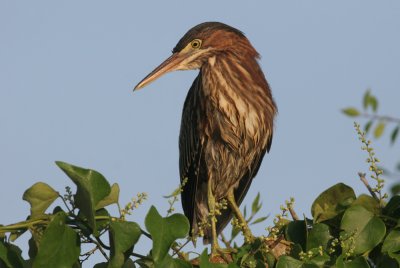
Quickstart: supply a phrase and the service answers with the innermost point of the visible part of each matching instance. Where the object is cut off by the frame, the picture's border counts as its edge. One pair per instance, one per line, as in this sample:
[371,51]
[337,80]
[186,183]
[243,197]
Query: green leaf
[394,256]
[170,262]
[366,99]
[379,129]
[92,188]
[100,265]
[352,112]
[392,208]
[59,246]
[261,219]
[394,134]
[123,236]
[165,231]
[369,203]
[395,189]
[234,232]
[128,264]
[16,234]
[11,255]
[296,232]
[369,229]
[358,262]
[270,259]
[332,202]
[318,261]
[367,126]
[40,196]
[392,242]
[384,260]
[101,224]
[112,198]
[288,262]
[32,252]
[373,102]
[256,206]
[319,235]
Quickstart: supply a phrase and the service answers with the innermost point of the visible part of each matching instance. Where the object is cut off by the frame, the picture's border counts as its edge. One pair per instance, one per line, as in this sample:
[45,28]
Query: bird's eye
[196,43]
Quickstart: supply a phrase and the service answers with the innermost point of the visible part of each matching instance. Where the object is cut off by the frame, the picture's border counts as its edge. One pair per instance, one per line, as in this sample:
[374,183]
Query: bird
[226,128]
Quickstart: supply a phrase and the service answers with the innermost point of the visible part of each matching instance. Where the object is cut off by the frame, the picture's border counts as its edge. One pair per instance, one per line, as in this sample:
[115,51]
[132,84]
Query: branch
[365,181]
[293,214]
[146,234]
[139,256]
[225,241]
[381,117]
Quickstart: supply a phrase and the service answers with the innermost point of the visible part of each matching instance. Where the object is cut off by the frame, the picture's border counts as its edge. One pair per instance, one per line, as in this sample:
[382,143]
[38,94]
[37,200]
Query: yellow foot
[248,236]
[221,255]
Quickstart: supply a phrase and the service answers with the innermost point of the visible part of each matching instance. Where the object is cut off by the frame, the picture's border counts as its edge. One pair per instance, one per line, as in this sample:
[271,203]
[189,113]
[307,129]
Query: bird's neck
[236,76]
[236,95]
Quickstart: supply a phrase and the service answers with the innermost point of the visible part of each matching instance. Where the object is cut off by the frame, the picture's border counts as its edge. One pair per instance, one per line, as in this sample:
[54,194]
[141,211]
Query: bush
[345,230]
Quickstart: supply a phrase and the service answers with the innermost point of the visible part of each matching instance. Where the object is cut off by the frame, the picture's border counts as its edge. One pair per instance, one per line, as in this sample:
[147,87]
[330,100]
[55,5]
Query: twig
[99,246]
[88,254]
[364,180]
[65,203]
[279,240]
[139,256]
[177,250]
[101,243]
[381,117]
[25,224]
[225,241]
[146,234]
[293,213]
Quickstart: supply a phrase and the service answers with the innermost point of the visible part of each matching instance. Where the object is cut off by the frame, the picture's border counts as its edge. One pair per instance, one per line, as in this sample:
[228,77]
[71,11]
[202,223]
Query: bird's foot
[248,236]
[221,255]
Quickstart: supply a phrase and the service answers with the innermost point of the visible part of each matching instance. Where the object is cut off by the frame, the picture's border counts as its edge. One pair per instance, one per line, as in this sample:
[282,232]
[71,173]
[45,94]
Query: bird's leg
[248,236]
[211,207]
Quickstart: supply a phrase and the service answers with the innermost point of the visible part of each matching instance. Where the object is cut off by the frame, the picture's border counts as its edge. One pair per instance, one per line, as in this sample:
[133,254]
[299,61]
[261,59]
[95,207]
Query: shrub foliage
[345,231]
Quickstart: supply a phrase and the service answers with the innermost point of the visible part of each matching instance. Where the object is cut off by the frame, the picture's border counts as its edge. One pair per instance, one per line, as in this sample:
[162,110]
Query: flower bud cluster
[133,204]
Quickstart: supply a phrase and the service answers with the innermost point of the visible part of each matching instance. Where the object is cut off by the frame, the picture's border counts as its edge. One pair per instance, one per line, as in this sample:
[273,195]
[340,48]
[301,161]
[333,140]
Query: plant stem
[146,234]
[381,117]
[225,241]
[365,181]
[24,224]
[65,204]
[293,213]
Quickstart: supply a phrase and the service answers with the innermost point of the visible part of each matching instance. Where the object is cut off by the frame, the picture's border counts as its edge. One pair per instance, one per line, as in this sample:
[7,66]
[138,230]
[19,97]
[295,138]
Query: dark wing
[190,151]
[244,185]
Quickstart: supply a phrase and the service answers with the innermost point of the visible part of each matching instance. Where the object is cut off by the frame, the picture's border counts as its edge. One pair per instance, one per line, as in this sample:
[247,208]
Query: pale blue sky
[67,70]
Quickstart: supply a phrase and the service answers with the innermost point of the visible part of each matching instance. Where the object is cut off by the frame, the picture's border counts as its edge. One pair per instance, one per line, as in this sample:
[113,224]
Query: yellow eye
[196,43]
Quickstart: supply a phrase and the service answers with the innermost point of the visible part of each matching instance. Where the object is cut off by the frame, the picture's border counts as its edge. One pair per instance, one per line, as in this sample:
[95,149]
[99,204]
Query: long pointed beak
[169,65]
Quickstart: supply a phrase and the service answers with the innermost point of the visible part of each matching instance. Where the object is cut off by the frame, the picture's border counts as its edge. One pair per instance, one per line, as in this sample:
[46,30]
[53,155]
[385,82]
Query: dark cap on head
[201,31]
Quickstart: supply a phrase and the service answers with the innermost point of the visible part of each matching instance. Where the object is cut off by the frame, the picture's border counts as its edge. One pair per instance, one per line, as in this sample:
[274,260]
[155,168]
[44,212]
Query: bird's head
[206,40]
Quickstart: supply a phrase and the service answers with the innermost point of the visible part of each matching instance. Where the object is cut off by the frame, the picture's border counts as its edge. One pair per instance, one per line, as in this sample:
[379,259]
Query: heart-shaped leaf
[92,188]
[59,246]
[368,229]
[112,198]
[10,255]
[123,236]
[392,242]
[319,235]
[40,196]
[332,202]
[289,262]
[164,231]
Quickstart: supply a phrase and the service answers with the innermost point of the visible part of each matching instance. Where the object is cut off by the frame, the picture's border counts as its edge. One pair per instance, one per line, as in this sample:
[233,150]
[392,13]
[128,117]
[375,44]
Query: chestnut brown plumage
[227,123]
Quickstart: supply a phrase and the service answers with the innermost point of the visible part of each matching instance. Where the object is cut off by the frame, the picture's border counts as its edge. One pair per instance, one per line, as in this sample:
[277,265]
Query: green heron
[227,124]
